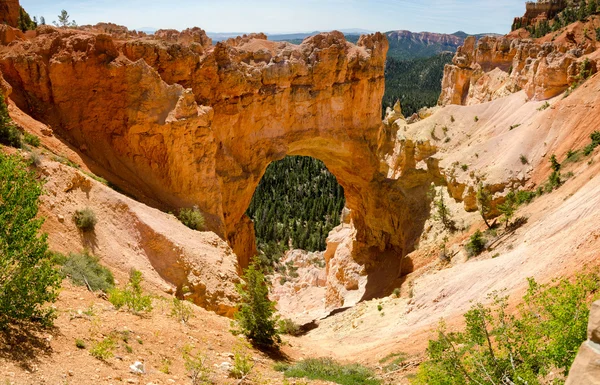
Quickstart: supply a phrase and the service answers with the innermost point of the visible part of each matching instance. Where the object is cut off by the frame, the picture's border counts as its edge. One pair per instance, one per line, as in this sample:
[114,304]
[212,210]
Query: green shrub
[393,361]
[476,119]
[103,350]
[132,296]
[524,196]
[464,167]
[523,159]
[544,106]
[255,317]
[84,269]
[396,292]
[85,219]
[508,208]
[32,140]
[192,218]
[80,344]
[287,326]
[195,364]
[28,278]
[9,133]
[181,310]
[327,369]
[506,348]
[476,244]
[242,364]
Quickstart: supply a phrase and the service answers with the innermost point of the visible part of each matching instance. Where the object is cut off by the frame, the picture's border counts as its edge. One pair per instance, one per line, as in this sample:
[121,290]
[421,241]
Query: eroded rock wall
[494,67]
[178,122]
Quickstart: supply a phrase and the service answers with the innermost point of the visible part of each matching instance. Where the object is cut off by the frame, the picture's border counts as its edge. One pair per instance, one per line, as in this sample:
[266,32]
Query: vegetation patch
[327,369]
[192,218]
[28,277]
[476,244]
[497,347]
[132,296]
[84,269]
[85,219]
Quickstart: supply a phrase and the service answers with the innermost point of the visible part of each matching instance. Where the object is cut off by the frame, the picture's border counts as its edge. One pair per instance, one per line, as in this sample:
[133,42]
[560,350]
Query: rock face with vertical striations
[9,12]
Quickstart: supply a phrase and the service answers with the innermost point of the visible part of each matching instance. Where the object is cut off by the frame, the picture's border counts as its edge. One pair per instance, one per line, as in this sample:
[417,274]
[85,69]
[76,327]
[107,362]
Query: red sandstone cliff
[9,12]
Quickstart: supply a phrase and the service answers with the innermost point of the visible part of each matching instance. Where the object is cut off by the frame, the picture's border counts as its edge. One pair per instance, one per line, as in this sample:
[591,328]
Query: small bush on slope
[85,219]
[28,278]
[497,347]
[192,218]
[85,270]
[328,370]
[132,296]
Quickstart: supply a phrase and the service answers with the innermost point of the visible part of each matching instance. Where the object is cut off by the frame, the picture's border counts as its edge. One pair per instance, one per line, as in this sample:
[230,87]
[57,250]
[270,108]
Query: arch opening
[295,206]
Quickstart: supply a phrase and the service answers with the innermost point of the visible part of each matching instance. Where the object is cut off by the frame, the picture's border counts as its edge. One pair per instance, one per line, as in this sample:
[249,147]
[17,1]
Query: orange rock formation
[178,122]
[494,67]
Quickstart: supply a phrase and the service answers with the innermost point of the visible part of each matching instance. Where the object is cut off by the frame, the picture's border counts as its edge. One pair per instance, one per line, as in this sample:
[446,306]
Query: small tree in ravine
[484,203]
[28,278]
[508,208]
[256,314]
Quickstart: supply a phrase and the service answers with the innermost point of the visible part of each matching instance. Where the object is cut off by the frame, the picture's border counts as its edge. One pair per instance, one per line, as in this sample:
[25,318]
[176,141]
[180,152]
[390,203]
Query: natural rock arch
[178,122]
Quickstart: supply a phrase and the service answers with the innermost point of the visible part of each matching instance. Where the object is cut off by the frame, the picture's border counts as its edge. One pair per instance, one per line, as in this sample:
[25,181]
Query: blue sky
[277,16]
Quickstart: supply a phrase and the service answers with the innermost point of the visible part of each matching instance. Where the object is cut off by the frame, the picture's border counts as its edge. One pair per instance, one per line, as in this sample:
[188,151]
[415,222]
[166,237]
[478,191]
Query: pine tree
[256,314]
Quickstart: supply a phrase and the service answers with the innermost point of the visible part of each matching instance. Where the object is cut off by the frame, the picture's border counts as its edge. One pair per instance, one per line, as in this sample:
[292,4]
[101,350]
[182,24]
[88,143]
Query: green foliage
[484,203]
[498,347]
[523,159]
[328,370]
[103,350]
[287,326]
[415,82]
[28,278]
[464,167]
[192,218]
[598,34]
[85,219]
[595,137]
[242,364]
[476,119]
[255,317]
[181,310]
[84,269]
[476,244]
[32,140]
[132,296]
[524,196]
[25,23]
[508,208]
[297,200]
[396,292]
[64,20]
[9,133]
[80,344]
[393,361]
[441,210]
[195,364]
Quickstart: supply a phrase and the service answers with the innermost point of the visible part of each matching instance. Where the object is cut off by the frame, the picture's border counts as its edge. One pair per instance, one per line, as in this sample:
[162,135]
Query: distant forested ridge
[297,202]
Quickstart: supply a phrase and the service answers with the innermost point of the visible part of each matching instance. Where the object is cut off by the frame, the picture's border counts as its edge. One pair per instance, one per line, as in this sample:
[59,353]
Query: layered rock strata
[178,122]
[495,67]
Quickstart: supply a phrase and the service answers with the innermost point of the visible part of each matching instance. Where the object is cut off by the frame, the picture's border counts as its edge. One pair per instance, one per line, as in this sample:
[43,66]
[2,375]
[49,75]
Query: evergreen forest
[297,202]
